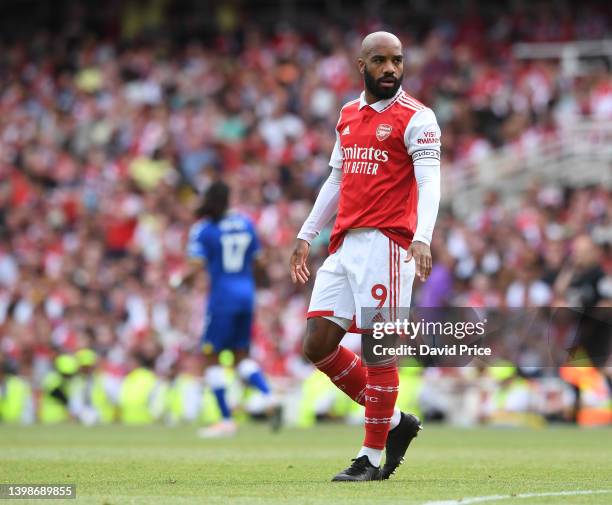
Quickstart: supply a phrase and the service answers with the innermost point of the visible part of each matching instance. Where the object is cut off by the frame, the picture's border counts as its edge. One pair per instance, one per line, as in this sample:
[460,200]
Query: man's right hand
[299,270]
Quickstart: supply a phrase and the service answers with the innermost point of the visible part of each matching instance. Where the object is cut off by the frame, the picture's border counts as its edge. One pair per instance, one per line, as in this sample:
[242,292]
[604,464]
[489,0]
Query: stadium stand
[113,123]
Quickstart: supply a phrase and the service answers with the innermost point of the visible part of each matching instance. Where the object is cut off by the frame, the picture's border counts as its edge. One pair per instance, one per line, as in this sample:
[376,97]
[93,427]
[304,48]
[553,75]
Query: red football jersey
[375,148]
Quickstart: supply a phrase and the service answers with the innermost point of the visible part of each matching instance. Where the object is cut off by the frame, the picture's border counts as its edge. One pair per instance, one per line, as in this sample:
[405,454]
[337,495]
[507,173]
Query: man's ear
[361,65]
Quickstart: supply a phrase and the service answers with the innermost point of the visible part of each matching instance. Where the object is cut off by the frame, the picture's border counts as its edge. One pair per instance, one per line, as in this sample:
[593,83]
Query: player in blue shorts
[226,244]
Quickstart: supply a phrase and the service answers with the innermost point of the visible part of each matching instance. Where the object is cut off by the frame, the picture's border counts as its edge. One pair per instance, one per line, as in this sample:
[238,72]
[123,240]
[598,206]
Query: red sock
[381,392]
[346,371]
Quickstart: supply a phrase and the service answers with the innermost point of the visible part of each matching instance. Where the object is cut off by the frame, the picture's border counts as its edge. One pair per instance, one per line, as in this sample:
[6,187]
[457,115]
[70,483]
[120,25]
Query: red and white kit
[385,186]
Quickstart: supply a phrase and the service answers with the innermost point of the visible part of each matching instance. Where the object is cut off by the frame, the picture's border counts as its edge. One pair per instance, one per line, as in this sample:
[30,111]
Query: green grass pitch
[158,465]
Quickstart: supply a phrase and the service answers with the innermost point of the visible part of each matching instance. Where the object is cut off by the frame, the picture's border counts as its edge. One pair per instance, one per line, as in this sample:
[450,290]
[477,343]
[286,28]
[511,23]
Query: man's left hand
[422,257]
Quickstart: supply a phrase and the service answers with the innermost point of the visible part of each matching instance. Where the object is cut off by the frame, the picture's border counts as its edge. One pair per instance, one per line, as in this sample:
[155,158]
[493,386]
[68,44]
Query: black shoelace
[358,465]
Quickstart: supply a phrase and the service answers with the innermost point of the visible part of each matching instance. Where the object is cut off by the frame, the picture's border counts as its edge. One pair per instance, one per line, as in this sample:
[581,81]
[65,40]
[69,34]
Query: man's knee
[322,338]
[312,347]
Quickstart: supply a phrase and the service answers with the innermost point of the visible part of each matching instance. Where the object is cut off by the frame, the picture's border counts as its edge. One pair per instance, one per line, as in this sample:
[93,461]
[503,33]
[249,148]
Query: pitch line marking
[498,497]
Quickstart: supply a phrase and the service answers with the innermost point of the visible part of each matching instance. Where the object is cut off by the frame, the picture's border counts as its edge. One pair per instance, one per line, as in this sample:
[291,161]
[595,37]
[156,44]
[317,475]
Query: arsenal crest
[383,131]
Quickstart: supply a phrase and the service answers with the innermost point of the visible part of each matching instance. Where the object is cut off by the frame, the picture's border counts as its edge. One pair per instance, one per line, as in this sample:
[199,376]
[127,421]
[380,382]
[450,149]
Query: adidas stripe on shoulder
[410,103]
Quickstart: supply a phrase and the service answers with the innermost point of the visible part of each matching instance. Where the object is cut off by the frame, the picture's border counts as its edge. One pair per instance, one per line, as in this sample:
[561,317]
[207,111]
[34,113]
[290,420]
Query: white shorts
[367,271]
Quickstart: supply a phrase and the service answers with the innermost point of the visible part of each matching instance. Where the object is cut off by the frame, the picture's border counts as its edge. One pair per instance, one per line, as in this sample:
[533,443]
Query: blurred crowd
[107,139]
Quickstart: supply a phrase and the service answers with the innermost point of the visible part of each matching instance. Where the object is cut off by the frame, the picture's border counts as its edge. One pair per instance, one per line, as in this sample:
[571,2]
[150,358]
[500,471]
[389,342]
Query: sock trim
[215,377]
[377,420]
[347,370]
[384,389]
[360,395]
[247,367]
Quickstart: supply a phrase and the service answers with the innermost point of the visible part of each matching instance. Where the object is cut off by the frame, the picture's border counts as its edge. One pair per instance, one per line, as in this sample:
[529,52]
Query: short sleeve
[422,136]
[195,244]
[336,157]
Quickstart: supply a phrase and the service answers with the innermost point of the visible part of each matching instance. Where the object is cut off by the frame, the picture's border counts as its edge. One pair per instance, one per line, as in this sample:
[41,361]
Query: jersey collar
[381,104]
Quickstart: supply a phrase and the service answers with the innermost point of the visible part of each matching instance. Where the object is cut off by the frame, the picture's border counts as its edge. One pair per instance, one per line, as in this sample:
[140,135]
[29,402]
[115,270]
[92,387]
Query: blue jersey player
[226,243]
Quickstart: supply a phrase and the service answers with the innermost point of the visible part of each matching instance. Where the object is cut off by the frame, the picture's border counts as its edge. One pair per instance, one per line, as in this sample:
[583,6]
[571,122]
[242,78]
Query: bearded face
[384,86]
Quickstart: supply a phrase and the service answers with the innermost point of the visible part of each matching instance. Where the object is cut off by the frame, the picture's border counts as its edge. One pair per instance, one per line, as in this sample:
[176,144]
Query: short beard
[377,91]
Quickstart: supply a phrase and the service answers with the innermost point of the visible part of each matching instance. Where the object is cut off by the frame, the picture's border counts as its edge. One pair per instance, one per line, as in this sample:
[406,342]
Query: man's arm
[323,210]
[194,267]
[196,255]
[422,140]
[428,183]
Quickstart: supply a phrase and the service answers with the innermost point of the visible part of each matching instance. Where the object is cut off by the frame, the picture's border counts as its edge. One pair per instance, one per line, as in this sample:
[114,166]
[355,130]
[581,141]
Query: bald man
[385,188]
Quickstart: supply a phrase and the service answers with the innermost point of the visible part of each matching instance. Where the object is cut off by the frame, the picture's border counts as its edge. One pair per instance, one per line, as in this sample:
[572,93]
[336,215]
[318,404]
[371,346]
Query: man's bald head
[376,40]
[381,64]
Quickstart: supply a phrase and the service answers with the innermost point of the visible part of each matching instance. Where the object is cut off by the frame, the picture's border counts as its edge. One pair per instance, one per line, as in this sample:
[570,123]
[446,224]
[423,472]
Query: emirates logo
[383,131]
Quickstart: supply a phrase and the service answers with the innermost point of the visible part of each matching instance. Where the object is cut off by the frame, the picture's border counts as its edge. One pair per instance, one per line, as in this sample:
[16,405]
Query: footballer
[226,244]
[384,187]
